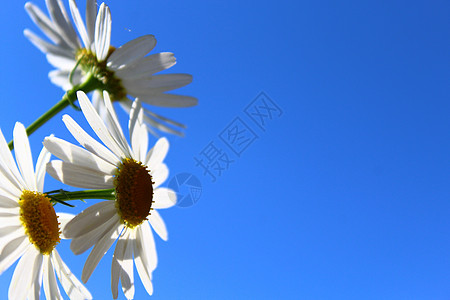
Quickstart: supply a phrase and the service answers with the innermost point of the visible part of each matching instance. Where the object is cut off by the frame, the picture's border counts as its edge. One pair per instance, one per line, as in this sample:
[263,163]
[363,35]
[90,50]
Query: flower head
[121,71]
[135,176]
[30,227]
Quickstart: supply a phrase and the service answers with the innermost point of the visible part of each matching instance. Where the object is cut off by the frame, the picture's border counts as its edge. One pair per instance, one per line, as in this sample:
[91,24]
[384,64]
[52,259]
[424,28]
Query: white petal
[115,128]
[9,219]
[98,125]
[63,220]
[45,24]
[145,256]
[138,131]
[159,175]
[154,120]
[98,252]
[99,104]
[9,212]
[79,23]
[158,225]
[116,268]
[35,289]
[97,98]
[147,66]
[157,154]
[43,159]
[164,119]
[7,160]
[160,126]
[14,234]
[127,276]
[77,155]
[7,215]
[28,268]
[143,134]
[156,84]
[61,62]
[131,51]
[144,271]
[126,105]
[77,176]
[167,100]
[71,285]
[50,285]
[9,234]
[133,129]
[8,182]
[46,47]
[12,251]
[91,15]
[60,18]
[164,198]
[9,192]
[88,142]
[61,78]
[7,202]
[89,219]
[102,32]
[23,155]
[82,243]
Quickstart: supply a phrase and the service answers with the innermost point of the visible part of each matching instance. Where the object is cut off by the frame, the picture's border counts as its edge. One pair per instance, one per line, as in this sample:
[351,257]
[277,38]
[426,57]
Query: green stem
[80,195]
[90,84]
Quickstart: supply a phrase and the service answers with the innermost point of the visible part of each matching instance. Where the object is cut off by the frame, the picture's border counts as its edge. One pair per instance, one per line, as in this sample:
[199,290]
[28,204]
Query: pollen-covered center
[134,192]
[88,63]
[40,221]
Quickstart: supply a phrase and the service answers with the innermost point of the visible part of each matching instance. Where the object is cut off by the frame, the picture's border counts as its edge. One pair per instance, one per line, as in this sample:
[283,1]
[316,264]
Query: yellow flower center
[134,192]
[39,220]
[88,63]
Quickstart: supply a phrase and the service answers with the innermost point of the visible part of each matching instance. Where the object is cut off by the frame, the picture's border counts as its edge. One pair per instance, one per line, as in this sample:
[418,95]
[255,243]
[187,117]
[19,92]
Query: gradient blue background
[345,196]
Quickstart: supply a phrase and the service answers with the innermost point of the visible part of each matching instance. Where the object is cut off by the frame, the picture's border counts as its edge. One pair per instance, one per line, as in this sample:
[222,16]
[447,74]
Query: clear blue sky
[343,196]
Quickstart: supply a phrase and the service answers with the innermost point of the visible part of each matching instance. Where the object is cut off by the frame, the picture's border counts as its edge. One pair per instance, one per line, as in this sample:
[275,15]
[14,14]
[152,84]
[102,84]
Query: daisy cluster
[125,171]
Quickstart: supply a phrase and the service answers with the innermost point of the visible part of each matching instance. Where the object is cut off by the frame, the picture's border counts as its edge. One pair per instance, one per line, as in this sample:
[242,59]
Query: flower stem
[61,196]
[90,84]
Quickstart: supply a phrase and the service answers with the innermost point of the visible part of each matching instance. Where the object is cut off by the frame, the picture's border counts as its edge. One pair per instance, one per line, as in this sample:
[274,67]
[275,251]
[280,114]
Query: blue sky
[345,195]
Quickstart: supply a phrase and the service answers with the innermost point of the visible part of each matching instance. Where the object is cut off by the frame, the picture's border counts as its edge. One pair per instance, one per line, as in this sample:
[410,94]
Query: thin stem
[90,84]
[80,195]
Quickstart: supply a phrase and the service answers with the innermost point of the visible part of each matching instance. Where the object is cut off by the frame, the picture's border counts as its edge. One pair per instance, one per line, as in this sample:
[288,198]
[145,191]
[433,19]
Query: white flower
[135,176]
[122,71]
[29,226]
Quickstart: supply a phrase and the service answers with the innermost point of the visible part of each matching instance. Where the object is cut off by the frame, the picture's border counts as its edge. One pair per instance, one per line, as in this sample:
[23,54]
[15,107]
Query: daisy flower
[29,226]
[133,174]
[122,71]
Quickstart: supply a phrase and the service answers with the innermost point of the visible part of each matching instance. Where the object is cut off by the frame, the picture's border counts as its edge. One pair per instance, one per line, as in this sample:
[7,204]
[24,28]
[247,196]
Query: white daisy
[122,71]
[29,226]
[134,174]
